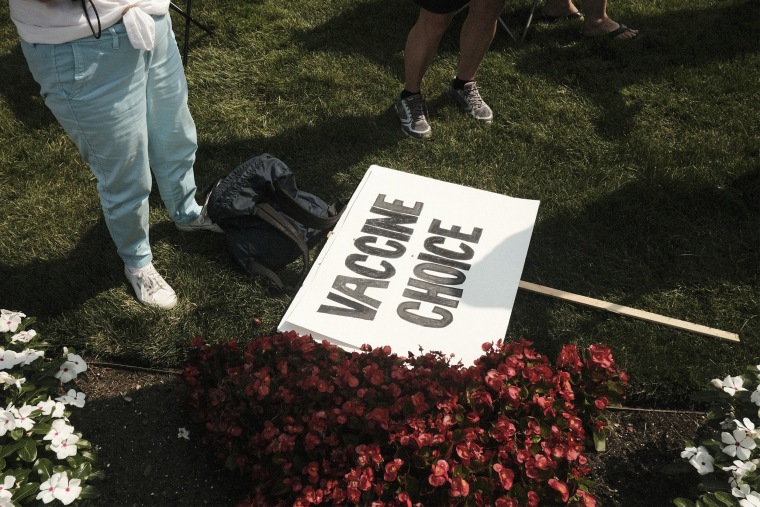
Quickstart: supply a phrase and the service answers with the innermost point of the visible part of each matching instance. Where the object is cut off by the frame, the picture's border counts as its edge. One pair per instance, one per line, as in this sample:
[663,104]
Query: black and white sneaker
[470,101]
[412,112]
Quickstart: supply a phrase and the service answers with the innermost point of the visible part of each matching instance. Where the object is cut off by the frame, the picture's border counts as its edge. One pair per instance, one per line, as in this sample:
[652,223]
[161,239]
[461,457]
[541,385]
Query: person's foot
[469,100]
[609,29]
[201,223]
[412,112]
[150,288]
[556,10]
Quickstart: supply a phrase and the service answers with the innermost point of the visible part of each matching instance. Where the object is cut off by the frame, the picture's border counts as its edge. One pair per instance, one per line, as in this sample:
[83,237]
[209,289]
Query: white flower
[72,398]
[183,433]
[751,500]
[79,364]
[22,416]
[689,452]
[59,430]
[702,461]
[50,407]
[9,321]
[67,372]
[46,407]
[9,380]
[58,486]
[739,444]
[747,426]
[7,421]
[65,447]
[755,398]
[5,493]
[740,468]
[7,483]
[731,385]
[8,359]
[28,356]
[24,336]
[741,491]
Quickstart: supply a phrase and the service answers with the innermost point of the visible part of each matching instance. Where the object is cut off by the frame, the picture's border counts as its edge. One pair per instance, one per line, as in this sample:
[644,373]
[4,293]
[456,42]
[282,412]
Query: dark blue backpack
[268,222]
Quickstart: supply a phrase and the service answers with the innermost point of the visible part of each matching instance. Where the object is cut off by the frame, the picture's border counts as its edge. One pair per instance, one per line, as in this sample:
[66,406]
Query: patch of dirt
[640,443]
[133,419]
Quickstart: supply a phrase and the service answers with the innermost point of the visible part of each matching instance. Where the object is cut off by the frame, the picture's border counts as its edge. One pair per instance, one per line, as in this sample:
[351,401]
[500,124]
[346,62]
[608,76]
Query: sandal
[616,33]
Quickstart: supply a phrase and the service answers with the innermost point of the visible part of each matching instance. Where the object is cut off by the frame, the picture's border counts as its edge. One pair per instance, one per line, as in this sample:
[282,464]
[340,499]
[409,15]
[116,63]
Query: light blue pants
[127,112]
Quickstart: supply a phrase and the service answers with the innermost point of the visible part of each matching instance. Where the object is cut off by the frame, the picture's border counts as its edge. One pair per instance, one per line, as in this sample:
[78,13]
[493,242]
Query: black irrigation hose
[178,372]
[128,367]
[658,410]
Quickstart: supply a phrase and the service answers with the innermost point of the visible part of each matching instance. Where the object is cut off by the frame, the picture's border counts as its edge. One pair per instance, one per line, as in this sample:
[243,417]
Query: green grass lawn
[645,158]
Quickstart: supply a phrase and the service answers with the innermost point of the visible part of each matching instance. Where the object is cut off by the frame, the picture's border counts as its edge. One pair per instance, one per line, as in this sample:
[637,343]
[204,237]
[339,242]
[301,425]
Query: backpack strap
[274,218]
[300,214]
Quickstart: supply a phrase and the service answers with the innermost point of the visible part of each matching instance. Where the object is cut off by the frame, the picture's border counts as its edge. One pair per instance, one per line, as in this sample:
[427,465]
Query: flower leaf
[683,502]
[724,498]
[25,490]
[82,472]
[28,450]
[41,428]
[600,441]
[710,483]
[89,492]
[719,499]
[9,449]
[89,456]
[44,468]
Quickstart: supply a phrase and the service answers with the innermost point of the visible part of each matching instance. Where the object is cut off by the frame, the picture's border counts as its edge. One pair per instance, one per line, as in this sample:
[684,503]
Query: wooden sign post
[630,312]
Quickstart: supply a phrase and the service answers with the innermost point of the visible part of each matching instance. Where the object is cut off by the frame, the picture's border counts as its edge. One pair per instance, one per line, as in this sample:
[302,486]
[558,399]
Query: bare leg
[477,33]
[597,23]
[422,46]
[557,8]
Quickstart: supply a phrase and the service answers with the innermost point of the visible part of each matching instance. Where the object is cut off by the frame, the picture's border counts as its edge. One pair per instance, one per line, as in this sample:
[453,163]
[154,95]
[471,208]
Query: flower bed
[727,457]
[42,457]
[313,424]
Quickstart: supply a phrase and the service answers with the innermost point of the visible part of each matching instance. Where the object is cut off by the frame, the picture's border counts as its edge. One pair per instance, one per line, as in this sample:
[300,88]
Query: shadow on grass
[675,233]
[687,38]
[316,153]
[21,91]
[48,289]
[660,238]
[92,267]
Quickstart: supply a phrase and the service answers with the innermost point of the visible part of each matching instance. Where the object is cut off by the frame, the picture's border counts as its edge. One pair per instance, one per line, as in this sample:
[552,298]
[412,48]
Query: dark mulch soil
[133,419]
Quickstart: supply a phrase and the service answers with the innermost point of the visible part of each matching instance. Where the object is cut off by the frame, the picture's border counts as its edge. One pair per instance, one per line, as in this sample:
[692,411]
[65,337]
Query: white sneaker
[150,288]
[201,223]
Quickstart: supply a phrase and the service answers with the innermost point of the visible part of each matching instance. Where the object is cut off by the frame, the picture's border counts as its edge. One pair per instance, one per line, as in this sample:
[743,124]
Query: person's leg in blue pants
[127,112]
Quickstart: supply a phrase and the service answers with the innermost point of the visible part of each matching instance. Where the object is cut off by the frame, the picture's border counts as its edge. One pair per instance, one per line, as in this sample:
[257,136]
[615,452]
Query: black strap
[255,267]
[302,215]
[274,218]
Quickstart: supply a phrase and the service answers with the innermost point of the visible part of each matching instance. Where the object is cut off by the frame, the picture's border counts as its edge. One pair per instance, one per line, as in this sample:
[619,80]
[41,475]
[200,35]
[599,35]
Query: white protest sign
[416,263]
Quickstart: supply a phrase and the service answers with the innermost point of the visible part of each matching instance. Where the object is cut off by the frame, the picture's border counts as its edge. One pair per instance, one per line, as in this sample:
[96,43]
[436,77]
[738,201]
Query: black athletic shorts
[441,6]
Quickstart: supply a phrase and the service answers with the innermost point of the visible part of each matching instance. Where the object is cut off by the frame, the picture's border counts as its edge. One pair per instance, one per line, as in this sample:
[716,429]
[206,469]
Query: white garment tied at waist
[141,29]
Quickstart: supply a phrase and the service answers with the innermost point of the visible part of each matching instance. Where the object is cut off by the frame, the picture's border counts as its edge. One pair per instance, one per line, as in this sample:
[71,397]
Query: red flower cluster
[313,424]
